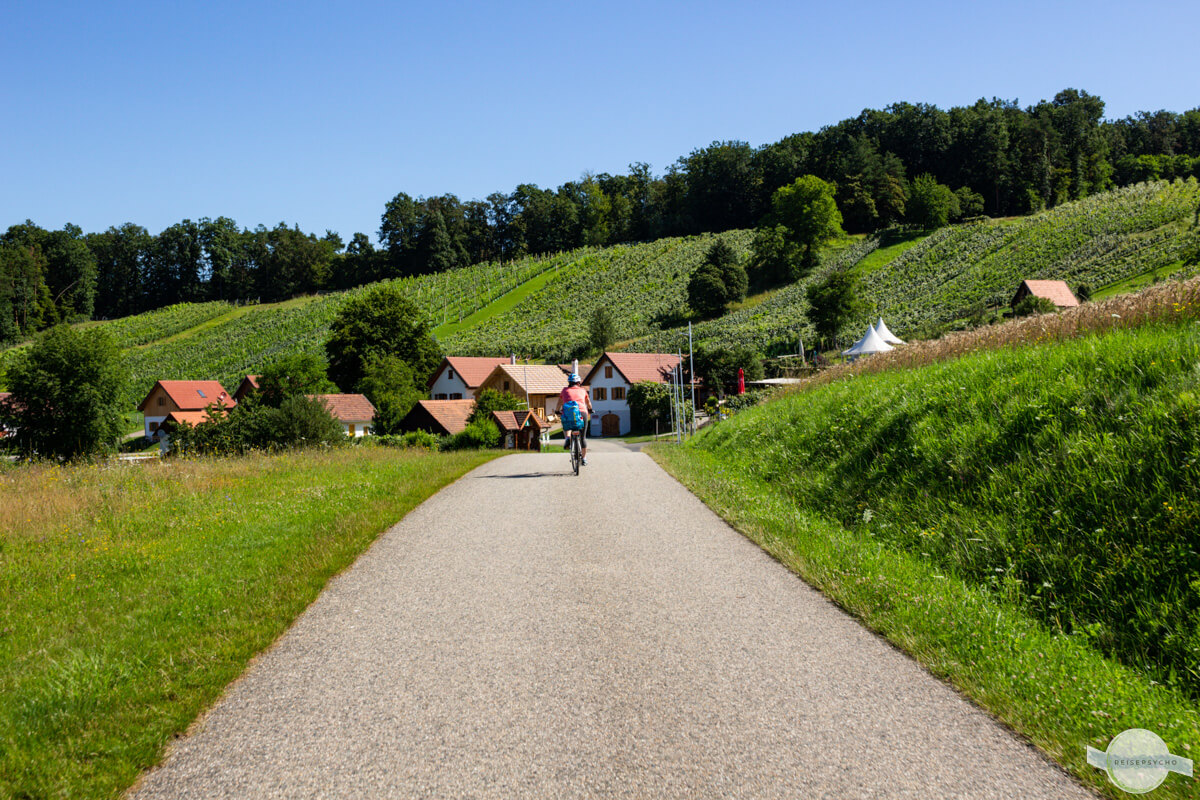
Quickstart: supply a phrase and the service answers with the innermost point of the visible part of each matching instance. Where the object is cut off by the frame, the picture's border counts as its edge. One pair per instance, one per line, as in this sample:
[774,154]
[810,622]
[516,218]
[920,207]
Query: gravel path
[526,633]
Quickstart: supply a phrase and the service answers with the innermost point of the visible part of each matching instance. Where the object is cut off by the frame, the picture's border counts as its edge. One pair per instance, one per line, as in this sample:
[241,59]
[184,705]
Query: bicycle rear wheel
[576,453]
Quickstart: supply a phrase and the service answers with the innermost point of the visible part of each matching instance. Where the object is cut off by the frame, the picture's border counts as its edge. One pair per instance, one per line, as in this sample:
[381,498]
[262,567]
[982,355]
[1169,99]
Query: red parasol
[741,381]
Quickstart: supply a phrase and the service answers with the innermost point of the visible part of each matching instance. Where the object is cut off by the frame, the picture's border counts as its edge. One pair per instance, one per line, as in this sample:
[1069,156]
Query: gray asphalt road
[526,633]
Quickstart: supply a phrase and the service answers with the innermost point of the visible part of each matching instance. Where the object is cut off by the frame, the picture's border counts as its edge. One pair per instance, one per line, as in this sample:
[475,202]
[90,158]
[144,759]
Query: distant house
[540,384]
[1056,292]
[181,401]
[569,368]
[459,377]
[438,416]
[354,411]
[248,386]
[519,429]
[610,380]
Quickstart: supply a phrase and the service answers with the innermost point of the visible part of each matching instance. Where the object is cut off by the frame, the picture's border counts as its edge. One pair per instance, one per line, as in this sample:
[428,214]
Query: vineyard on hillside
[644,286]
[961,270]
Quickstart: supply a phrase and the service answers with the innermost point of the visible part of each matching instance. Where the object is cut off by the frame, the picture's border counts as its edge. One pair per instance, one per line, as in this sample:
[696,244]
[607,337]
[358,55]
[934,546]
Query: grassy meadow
[1024,519]
[131,595]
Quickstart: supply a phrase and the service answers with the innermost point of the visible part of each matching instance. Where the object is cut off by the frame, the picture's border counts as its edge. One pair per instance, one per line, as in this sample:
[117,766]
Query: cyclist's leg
[587,422]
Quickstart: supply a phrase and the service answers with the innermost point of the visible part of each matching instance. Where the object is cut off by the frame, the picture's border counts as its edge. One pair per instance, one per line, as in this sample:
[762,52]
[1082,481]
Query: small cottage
[248,386]
[354,411]
[521,430]
[1056,292]
[182,401]
[442,417]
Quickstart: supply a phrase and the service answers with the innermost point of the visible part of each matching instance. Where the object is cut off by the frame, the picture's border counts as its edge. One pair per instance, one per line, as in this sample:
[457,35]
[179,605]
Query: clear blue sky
[317,113]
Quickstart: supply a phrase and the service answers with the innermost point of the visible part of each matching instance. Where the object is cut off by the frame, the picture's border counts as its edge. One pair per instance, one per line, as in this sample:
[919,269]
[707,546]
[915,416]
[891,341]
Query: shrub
[1033,304]
[478,435]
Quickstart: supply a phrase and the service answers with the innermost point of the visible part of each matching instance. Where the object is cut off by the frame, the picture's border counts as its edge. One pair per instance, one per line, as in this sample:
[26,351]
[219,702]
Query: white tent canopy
[885,334]
[869,343]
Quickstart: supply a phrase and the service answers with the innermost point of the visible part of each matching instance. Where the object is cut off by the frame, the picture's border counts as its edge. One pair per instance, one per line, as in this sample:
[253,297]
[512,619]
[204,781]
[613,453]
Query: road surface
[527,633]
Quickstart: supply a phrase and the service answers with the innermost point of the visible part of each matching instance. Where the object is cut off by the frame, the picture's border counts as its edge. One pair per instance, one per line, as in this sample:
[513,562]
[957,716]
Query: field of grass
[1025,520]
[131,595]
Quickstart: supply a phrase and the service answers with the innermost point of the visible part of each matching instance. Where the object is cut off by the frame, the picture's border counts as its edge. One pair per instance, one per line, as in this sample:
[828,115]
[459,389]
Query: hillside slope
[963,269]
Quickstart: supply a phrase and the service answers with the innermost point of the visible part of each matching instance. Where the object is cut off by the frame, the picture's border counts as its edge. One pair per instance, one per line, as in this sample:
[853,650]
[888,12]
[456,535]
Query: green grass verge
[1138,282]
[893,245]
[1053,689]
[131,596]
[501,305]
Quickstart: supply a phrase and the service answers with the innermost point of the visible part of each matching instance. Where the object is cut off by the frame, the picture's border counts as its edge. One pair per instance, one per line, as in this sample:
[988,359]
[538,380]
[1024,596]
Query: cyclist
[575,393]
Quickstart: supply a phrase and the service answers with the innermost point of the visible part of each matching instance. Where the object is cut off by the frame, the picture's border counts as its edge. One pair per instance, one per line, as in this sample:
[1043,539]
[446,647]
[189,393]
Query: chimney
[575,366]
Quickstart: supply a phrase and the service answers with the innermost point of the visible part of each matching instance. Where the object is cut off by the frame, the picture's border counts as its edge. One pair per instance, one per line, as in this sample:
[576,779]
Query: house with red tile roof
[537,384]
[1056,292]
[248,385]
[185,401]
[354,411]
[610,380]
[438,416]
[459,377]
[521,430]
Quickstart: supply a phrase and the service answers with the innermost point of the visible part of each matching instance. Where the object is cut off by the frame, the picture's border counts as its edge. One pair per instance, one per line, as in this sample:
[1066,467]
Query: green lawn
[131,595]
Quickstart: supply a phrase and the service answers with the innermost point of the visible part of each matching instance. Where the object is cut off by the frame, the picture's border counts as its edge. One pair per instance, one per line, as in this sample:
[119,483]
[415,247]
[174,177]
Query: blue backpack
[572,416]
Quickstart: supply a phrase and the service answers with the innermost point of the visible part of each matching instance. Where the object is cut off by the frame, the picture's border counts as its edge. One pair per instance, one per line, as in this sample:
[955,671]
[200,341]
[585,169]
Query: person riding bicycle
[575,393]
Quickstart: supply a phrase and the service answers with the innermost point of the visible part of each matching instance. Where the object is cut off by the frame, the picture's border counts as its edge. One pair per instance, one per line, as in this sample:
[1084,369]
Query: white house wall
[148,420]
[450,386]
[602,407]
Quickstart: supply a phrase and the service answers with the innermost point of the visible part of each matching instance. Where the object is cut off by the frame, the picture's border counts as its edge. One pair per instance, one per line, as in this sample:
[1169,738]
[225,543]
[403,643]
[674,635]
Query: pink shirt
[576,393]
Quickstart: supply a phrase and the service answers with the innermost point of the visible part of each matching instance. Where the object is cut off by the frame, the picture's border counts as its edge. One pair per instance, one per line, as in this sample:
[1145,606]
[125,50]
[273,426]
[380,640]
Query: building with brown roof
[459,377]
[248,385]
[168,398]
[354,411]
[538,384]
[519,429]
[438,416]
[1056,292]
[610,380]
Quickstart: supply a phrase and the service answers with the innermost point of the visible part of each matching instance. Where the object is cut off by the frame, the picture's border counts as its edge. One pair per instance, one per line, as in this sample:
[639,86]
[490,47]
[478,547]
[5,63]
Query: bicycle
[576,450]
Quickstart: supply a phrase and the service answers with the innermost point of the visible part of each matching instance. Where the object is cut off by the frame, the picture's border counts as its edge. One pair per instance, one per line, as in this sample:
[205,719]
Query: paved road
[526,633]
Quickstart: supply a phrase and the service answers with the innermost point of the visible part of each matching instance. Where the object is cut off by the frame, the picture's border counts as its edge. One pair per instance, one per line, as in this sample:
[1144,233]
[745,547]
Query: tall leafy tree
[807,209]
[834,302]
[66,394]
[380,322]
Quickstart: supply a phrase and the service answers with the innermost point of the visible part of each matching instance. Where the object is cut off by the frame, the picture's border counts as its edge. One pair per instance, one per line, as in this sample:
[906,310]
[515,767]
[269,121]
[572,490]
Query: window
[153,427]
[450,373]
[599,393]
[456,395]
[618,393]
[201,393]
[608,372]
[351,431]
[439,396]
[506,386]
[162,401]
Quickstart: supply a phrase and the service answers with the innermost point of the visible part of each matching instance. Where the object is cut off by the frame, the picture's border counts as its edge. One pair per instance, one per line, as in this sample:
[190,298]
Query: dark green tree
[717,367]
[834,302]
[392,387]
[300,373]
[650,405]
[717,282]
[930,204]
[66,394]
[380,322]
[489,400]
[602,329]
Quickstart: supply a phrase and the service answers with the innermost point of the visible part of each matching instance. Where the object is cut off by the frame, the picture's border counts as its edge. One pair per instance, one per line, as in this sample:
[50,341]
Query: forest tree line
[994,157]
